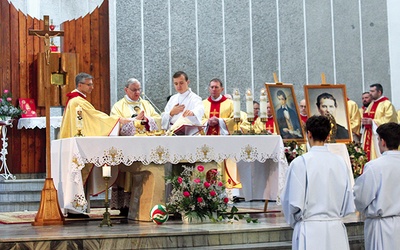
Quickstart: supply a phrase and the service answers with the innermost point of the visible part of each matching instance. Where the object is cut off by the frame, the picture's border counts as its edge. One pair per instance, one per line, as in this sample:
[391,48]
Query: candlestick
[264,131]
[249,104]
[236,104]
[79,121]
[106,171]
[237,130]
[106,215]
[263,104]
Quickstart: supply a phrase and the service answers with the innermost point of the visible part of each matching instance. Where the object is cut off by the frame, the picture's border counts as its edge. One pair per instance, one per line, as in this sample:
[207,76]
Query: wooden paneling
[87,36]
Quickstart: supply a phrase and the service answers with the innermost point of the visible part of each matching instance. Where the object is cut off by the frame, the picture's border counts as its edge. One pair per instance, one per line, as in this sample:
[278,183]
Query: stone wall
[244,41]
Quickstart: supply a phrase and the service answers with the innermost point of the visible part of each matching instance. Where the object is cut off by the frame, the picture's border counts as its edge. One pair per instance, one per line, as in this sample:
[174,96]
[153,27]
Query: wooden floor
[271,232]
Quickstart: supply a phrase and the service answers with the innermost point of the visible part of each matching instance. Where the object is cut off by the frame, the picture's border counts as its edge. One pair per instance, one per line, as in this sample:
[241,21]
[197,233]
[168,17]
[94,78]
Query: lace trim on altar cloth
[161,155]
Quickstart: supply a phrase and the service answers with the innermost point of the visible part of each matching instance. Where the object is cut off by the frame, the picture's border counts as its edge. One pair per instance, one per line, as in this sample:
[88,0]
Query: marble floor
[271,229]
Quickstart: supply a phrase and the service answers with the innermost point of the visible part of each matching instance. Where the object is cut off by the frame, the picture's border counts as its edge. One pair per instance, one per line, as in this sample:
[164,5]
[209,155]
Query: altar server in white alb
[185,105]
[318,193]
[377,192]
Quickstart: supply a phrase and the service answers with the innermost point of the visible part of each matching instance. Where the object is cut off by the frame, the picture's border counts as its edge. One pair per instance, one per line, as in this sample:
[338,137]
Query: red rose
[220,184]
[200,168]
[180,180]
[199,199]
[186,194]
[197,180]
[213,193]
[211,175]
[206,184]
[226,200]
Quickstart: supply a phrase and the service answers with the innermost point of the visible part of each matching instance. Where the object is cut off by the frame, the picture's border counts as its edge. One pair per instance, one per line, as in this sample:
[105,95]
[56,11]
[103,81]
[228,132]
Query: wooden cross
[214,113]
[46,33]
[49,212]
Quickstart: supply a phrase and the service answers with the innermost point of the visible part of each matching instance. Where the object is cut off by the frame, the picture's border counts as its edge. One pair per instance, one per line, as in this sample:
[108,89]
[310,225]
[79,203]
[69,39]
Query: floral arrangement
[358,158]
[200,195]
[292,150]
[6,108]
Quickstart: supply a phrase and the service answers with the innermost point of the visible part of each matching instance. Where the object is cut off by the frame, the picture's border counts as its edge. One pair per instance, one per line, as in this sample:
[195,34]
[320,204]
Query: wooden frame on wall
[286,112]
[334,100]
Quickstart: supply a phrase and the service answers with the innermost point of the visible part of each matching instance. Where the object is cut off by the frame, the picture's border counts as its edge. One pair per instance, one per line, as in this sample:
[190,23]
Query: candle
[249,104]
[263,104]
[236,104]
[106,171]
[79,121]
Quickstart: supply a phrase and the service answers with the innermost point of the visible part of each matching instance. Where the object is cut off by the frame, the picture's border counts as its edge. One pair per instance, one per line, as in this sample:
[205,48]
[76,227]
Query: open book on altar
[186,126]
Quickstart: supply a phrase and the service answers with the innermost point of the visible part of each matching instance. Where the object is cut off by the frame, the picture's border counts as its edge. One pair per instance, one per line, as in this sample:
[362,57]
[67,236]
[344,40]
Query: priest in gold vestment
[82,119]
[133,106]
[91,122]
[218,111]
[379,111]
[218,119]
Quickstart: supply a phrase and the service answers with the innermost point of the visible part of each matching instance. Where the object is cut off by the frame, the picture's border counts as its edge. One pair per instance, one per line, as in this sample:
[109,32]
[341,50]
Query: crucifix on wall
[46,34]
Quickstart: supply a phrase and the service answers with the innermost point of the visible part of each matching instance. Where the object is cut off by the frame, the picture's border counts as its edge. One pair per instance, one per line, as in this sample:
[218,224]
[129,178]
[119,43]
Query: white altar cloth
[69,156]
[39,122]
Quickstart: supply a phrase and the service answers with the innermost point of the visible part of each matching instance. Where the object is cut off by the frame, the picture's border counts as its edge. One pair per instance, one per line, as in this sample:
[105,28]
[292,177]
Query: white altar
[70,155]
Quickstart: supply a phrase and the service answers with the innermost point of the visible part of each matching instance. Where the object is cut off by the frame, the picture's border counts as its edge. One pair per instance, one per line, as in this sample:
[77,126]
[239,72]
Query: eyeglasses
[88,84]
[135,90]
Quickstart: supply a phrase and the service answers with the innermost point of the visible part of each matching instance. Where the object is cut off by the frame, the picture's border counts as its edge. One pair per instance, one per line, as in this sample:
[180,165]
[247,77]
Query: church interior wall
[244,42]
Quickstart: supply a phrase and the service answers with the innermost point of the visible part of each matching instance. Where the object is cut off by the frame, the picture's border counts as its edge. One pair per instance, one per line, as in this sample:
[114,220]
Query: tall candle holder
[264,131]
[251,131]
[237,131]
[106,215]
[236,111]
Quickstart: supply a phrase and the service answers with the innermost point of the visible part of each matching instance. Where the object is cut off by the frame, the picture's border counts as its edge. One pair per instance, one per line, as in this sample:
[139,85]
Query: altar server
[184,104]
[377,192]
[318,193]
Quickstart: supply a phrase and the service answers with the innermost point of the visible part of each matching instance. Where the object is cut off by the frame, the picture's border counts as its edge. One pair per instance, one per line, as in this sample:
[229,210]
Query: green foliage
[358,158]
[6,107]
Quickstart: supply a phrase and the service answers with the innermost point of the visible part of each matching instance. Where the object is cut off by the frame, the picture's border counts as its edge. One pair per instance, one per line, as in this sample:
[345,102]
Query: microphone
[146,97]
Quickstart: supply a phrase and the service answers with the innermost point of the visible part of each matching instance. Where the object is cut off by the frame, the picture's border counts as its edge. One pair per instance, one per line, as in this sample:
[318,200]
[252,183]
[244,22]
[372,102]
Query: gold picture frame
[335,97]
[286,112]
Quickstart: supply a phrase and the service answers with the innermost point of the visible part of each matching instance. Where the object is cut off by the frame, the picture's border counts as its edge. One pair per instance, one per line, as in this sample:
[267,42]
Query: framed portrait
[286,112]
[323,99]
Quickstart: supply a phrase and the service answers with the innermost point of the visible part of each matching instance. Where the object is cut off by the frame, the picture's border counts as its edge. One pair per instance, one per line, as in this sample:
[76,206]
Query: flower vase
[5,118]
[196,220]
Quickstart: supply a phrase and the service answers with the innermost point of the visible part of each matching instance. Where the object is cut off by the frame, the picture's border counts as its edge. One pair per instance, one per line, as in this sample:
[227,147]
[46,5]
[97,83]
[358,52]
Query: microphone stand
[147,98]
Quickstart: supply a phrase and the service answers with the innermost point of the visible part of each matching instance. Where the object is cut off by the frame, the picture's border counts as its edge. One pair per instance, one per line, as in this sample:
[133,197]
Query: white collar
[379,98]
[217,99]
[77,90]
[130,100]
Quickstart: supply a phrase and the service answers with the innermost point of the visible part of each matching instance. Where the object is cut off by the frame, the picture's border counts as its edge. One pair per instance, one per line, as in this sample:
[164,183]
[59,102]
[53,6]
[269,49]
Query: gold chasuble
[220,109]
[125,108]
[269,125]
[355,117]
[381,111]
[93,123]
